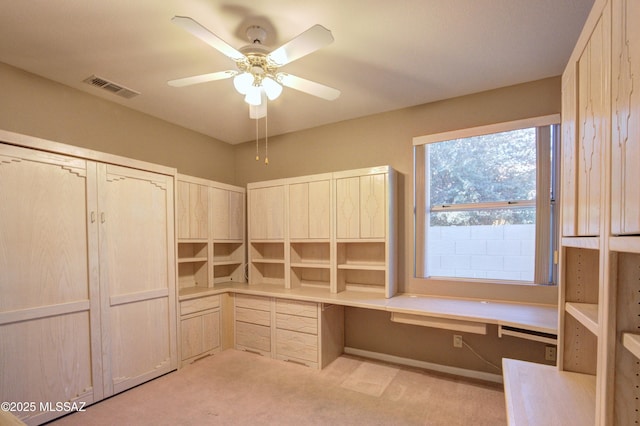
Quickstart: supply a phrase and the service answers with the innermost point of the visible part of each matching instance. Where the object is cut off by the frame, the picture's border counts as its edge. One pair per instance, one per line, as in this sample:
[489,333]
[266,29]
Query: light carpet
[238,388]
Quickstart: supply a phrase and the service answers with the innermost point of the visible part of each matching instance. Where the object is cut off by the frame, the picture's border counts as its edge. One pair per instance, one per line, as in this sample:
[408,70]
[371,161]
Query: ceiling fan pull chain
[257,153]
[266,133]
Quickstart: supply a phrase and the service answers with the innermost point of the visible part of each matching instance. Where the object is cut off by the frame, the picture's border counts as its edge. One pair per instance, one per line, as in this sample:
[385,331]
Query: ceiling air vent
[110,86]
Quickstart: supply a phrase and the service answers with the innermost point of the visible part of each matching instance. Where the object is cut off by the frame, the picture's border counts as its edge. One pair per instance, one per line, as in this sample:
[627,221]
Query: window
[485,203]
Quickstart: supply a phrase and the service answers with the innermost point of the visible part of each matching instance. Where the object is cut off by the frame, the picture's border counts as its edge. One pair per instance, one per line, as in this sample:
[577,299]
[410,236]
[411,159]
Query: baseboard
[480,375]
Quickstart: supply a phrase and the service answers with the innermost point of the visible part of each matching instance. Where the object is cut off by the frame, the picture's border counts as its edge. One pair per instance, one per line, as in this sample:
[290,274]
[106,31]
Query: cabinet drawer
[253,302]
[253,336]
[297,345]
[252,316]
[200,304]
[295,307]
[296,323]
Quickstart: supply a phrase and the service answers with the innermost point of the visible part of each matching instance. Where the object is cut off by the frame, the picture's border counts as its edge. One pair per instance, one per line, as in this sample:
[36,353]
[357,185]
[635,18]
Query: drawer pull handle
[253,352]
[292,361]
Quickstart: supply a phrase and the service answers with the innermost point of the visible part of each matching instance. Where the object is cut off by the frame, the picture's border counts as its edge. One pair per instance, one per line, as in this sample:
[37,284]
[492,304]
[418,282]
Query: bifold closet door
[49,301]
[136,275]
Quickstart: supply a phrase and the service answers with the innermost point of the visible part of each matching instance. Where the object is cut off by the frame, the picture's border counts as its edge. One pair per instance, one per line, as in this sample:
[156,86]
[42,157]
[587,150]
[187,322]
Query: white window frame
[544,242]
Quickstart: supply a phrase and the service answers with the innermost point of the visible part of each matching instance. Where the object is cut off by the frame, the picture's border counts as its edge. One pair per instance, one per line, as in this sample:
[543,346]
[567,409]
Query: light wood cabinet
[586,114]
[301,332]
[192,210]
[87,250]
[269,221]
[625,123]
[200,328]
[216,254]
[340,232]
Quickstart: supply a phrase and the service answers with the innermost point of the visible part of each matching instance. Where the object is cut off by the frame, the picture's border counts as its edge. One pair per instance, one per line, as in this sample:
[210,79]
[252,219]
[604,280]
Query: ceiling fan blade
[308,86]
[309,41]
[203,78]
[207,36]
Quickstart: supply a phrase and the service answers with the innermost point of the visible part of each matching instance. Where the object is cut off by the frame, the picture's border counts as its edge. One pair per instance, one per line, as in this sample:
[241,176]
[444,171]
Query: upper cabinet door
[228,214]
[310,210]
[585,134]
[267,213]
[193,216]
[569,152]
[625,131]
[361,206]
[593,119]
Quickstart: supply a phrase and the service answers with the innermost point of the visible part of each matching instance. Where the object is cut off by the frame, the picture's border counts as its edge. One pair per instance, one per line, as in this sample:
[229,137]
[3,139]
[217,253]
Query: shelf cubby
[227,252]
[310,253]
[361,255]
[193,274]
[317,277]
[361,280]
[267,272]
[267,252]
[192,251]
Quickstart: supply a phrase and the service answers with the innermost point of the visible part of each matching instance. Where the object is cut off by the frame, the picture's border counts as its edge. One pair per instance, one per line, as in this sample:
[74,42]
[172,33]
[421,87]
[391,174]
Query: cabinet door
[569,152]
[625,152]
[200,334]
[348,207]
[372,206]
[592,128]
[49,298]
[137,275]
[228,214]
[193,216]
[267,213]
[310,209]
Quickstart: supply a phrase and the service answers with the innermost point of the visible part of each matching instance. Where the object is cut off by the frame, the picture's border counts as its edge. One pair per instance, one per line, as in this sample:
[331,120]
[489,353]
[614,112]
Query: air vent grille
[110,86]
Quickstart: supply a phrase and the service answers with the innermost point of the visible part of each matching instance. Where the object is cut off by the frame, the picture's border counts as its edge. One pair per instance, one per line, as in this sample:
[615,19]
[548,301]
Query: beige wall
[35,106]
[387,139]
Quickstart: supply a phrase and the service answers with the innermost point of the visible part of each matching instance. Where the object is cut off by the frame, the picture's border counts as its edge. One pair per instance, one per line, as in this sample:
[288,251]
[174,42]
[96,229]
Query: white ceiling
[386,54]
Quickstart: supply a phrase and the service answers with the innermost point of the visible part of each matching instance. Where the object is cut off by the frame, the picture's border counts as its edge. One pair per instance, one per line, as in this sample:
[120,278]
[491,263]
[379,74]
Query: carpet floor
[238,388]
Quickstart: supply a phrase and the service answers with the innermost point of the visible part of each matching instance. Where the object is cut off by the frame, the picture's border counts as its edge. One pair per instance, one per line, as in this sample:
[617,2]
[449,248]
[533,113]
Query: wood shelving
[631,341]
[585,313]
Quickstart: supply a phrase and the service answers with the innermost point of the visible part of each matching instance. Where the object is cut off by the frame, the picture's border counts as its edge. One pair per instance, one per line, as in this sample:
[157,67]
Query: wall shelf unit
[333,231]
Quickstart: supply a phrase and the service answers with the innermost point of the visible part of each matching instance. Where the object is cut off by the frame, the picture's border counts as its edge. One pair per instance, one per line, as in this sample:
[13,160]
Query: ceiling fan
[257,75]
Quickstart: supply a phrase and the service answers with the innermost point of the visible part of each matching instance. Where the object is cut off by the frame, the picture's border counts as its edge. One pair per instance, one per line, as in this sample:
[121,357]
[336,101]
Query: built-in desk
[542,395]
[528,321]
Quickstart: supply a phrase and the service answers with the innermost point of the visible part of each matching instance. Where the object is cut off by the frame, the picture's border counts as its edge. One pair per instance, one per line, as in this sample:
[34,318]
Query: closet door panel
[43,229]
[140,342]
[236,215]
[569,153]
[49,298]
[220,208]
[137,279]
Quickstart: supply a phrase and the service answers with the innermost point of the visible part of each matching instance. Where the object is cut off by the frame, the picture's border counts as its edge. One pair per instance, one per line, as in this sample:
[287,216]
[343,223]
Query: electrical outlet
[550,353]
[457,341]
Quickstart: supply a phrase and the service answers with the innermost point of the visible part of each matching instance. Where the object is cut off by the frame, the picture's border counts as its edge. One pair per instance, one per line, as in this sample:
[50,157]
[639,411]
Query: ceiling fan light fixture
[243,82]
[272,88]
[253,96]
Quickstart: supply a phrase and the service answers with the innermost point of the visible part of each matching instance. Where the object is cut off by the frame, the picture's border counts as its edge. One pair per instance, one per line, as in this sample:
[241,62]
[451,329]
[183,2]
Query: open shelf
[361,280]
[192,251]
[227,271]
[311,277]
[267,273]
[193,274]
[362,255]
[585,313]
[267,252]
[310,253]
[631,341]
[227,252]
[626,244]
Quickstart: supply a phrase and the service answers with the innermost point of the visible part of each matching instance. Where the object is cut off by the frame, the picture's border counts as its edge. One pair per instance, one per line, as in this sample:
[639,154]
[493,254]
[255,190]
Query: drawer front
[253,302]
[297,345]
[252,316]
[295,307]
[200,304]
[296,323]
[253,336]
